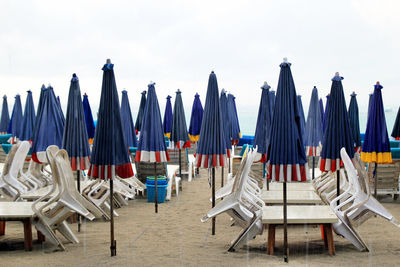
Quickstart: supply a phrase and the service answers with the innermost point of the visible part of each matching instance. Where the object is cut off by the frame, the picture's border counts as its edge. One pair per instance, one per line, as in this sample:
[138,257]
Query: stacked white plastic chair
[242,204]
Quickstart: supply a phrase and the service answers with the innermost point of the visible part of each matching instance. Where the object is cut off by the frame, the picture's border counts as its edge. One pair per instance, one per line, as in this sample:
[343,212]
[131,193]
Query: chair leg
[330,240]
[41,237]
[324,236]
[28,234]
[2,227]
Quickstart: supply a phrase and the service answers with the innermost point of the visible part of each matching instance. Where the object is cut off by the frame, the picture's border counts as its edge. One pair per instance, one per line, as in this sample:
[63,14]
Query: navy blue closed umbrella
[127,121]
[60,109]
[263,126]
[233,120]
[15,125]
[211,149]
[5,117]
[196,118]
[325,113]
[75,138]
[29,118]
[223,100]
[286,150]
[151,147]
[314,131]
[321,106]
[49,127]
[88,118]
[139,118]
[272,100]
[370,99]
[167,123]
[355,122]
[302,119]
[179,133]
[396,127]
[110,154]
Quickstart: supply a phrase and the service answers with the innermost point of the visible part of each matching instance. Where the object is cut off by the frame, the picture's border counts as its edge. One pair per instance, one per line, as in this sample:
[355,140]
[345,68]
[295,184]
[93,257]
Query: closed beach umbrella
[49,127]
[127,121]
[313,129]
[321,107]
[29,118]
[325,113]
[355,122]
[263,126]
[139,118]
[196,118]
[302,119]
[376,147]
[15,125]
[90,128]
[110,154]
[337,133]
[179,134]
[167,123]
[5,117]
[60,109]
[285,153]
[211,150]
[151,146]
[223,101]
[41,99]
[233,121]
[272,101]
[75,139]
[396,127]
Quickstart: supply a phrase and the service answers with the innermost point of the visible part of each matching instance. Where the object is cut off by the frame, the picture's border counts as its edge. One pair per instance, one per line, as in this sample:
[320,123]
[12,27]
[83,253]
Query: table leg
[329,237]
[2,227]
[324,236]
[271,239]
[28,234]
[41,237]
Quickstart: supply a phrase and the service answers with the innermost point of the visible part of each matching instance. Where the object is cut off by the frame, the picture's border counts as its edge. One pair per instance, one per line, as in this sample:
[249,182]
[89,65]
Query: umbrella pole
[265,175]
[338,185]
[78,179]
[376,181]
[213,199]
[285,239]
[180,164]
[313,167]
[222,177]
[155,188]
[113,246]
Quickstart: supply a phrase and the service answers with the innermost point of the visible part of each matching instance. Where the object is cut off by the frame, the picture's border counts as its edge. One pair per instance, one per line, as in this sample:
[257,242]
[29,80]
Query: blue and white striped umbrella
[223,101]
[234,134]
[302,119]
[355,122]
[195,119]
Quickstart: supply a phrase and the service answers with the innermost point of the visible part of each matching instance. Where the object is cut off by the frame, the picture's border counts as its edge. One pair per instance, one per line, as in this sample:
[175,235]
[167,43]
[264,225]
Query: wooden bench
[272,216]
[19,211]
[293,197]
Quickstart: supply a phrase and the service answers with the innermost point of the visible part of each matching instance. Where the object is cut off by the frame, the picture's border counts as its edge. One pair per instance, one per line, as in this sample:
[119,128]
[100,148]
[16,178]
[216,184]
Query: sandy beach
[176,237]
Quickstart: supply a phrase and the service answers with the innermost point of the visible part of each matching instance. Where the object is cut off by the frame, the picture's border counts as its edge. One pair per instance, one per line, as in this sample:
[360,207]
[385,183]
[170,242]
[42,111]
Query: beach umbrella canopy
[29,118]
[302,119]
[195,119]
[139,118]
[75,138]
[167,123]
[15,125]
[285,153]
[376,147]
[272,101]
[263,126]
[49,127]
[179,134]
[223,101]
[233,120]
[90,128]
[5,117]
[314,131]
[371,96]
[60,109]
[396,126]
[110,154]
[321,107]
[325,113]
[127,121]
[211,149]
[151,146]
[338,132]
[355,122]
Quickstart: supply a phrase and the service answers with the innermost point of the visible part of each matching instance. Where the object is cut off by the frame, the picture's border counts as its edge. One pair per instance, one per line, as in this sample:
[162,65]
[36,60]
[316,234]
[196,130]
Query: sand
[176,237]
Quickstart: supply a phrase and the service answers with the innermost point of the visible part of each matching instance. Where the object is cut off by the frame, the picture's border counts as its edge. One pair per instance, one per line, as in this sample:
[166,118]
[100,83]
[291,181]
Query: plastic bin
[161,192]
[161,180]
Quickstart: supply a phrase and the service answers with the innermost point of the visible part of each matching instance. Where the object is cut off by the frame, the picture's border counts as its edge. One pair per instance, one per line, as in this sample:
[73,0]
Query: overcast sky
[177,43]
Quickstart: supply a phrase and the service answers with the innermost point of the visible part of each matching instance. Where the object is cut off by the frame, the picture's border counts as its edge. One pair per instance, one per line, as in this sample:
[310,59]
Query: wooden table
[291,187]
[293,197]
[272,216]
[19,211]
